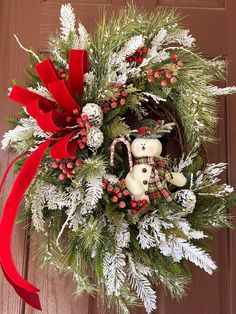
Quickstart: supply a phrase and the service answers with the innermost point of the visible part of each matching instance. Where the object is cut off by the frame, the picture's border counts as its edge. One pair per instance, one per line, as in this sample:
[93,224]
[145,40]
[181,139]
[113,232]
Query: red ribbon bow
[62,123]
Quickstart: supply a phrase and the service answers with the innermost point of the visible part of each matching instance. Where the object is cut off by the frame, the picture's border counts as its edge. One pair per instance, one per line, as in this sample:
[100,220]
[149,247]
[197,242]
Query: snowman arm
[176,178]
[134,186]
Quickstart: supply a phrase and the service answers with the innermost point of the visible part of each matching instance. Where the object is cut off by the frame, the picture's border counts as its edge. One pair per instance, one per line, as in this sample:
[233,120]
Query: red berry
[149,71]
[114,199]
[122,181]
[63,75]
[144,51]
[79,162]
[139,60]
[131,59]
[116,190]
[113,105]
[163,83]
[62,177]
[122,101]
[157,74]
[70,175]
[124,93]
[62,166]
[174,57]
[81,145]
[70,165]
[173,66]
[126,192]
[122,204]
[151,79]
[84,117]
[106,109]
[137,53]
[134,211]
[80,122]
[84,139]
[109,188]
[83,132]
[169,74]
[88,125]
[55,165]
[119,195]
[173,80]
[133,204]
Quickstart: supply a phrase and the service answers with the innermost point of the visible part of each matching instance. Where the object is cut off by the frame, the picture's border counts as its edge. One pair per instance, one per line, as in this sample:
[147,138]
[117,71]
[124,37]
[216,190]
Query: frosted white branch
[21,136]
[114,271]
[195,255]
[93,193]
[222,91]
[67,19]
[138,282]
[123,235]
[42,91]
[83,39]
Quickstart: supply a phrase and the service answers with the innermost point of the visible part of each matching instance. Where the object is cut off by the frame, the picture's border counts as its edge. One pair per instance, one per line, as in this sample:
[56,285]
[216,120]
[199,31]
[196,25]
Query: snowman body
[138,181]
[138,184]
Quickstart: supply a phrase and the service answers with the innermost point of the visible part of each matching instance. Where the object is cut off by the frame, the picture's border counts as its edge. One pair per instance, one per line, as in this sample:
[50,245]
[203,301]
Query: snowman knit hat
[153,129]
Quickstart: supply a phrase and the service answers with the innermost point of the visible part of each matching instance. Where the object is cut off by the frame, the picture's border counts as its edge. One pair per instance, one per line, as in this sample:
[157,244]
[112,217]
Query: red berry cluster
[138,56]
[165,75]
[84,125]
[62,74]
[117,192]
[138,207]
[67,167]
[119,99]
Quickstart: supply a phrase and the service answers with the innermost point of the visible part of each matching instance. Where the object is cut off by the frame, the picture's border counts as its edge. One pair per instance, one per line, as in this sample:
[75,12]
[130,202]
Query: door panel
[15,17]
[193,3]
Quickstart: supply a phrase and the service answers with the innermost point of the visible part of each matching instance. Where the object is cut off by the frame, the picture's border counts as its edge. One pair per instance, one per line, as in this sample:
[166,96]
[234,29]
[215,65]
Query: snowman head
[146,147]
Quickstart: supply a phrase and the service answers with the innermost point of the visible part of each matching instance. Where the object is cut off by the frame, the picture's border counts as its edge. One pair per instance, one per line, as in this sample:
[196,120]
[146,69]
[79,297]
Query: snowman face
[146,147]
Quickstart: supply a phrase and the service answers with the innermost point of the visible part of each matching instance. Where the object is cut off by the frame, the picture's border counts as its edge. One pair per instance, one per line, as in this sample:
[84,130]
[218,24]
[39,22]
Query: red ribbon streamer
[50,120]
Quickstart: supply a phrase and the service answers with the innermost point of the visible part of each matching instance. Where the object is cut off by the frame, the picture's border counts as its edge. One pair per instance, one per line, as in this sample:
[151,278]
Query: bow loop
[47,72]
[51,116]
[78,66]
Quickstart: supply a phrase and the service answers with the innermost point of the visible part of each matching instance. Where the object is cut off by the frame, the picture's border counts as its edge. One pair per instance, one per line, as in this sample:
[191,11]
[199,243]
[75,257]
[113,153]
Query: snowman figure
[150,174]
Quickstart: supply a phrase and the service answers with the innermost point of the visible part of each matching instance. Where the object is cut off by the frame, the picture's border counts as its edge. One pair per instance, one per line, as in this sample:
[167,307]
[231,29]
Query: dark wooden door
[213,23]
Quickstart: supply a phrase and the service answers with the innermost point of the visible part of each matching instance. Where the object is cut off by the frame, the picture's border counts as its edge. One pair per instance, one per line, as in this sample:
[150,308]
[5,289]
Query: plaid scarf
[157,186]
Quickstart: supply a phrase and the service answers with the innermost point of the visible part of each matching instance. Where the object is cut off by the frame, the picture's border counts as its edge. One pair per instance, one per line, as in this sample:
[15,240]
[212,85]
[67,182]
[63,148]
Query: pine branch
[114,272]
[142,286]
[193,254]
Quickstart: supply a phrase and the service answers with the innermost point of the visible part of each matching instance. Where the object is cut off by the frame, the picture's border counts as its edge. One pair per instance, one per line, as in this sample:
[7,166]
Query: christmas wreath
[105,206]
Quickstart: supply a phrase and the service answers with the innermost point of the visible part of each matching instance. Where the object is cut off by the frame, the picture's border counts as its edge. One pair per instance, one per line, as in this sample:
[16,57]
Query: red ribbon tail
[32,298]
[9,168]
[23,288]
